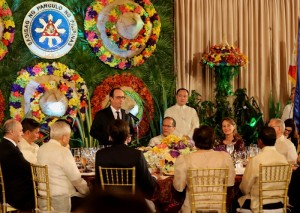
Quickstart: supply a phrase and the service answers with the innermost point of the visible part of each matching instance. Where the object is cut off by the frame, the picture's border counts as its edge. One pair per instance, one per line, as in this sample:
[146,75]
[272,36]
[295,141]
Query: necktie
[118,115]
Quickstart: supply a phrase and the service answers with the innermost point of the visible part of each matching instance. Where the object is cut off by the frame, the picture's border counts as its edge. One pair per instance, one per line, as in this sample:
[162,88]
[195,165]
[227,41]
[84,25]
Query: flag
[292,73]
[297,92]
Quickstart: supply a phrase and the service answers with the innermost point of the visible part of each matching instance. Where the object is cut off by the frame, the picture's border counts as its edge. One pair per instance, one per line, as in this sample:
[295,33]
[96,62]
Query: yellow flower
[97,6]
[9,23]
[88,24]
[73,102]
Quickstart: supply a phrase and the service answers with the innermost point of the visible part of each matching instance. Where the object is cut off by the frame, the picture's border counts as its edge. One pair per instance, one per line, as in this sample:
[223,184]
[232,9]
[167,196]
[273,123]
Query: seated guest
[290,131]
[250,181]
[168,127]
[204,157]
[64,176]
[27,146]
[283,145]
[230,136]
[288,110]
[119,155]
[16,170]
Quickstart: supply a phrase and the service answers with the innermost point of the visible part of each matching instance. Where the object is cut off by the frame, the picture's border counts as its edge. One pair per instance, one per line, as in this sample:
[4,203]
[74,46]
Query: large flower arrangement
[108,45]
[57,70]
[9,28]
[125,80]
[2,107]
[170,148]
[224,55]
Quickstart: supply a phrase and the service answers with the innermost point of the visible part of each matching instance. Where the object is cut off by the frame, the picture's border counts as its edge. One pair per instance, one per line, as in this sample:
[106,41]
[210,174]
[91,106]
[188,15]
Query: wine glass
[230,148]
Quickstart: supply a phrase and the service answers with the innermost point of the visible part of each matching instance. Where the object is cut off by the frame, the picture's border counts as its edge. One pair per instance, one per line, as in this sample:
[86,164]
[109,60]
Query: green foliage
[274,107]
[157,72]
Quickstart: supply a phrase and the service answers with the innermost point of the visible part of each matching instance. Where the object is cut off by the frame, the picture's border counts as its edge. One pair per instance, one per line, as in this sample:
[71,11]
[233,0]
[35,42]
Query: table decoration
[170,148]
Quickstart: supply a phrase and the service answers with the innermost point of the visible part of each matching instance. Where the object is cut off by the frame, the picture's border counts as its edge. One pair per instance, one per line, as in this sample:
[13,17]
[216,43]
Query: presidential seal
[49,30]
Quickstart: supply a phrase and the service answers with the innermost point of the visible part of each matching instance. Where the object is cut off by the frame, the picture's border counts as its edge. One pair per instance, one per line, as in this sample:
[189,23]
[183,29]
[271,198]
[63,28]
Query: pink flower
[36,69]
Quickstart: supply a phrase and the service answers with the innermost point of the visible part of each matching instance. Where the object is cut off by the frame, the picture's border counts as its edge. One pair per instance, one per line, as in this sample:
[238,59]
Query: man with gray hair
[64,176]
[284,146]
[16,170]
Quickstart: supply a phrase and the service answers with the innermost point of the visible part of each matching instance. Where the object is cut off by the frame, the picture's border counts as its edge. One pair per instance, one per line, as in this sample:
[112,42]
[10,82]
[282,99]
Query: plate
[87,174]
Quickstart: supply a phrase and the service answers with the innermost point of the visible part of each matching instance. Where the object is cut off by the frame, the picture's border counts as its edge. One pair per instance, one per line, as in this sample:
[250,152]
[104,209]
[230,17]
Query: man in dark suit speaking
[104,117]
[16,170]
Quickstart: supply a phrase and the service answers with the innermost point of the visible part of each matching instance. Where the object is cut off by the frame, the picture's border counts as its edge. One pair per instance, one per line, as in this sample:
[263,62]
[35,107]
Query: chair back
[273,184]
[5,207]
[207,188]
[41,187]
[111,178]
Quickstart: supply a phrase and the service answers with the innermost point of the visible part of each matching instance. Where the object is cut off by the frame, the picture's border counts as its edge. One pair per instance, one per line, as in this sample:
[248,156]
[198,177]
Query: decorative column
[225,60]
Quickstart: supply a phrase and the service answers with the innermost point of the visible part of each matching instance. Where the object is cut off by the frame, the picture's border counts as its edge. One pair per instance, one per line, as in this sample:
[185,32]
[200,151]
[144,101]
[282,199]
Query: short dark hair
[119,131]
[267,135]
[204,137]
[182,89]
[29,124]
[173,120]
[111,93]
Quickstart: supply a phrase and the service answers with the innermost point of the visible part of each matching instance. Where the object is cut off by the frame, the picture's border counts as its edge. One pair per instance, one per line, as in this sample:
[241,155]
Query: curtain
[264,30]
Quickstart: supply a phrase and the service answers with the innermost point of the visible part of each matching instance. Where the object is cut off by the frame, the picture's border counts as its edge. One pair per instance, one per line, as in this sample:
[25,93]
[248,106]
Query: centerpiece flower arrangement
[170,148]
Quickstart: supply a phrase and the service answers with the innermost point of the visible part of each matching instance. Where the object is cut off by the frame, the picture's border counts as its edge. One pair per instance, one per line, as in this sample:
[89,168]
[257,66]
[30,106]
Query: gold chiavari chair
[273,187]
[40,181]
[112,178]
[5,207]
[207,189]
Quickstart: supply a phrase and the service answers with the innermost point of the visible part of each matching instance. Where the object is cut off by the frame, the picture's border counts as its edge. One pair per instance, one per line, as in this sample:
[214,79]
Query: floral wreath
[119,59]
[2,107]
[125,80]
[48,69]
[224,55]
[9,28]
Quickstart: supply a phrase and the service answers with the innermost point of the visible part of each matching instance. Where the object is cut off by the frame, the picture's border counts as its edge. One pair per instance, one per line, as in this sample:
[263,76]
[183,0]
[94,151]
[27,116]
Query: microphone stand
[137,130]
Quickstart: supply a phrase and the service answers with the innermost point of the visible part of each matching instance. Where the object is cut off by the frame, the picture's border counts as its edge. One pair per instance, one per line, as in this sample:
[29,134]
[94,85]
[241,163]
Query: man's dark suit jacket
[99,129]
[17,176]
[122,156]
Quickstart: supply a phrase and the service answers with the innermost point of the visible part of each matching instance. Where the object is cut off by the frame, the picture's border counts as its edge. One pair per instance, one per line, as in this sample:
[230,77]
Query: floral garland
[104,53]
[224,55]
[123,43]
[9,28]
[125,80]
[2,107]
[47,69]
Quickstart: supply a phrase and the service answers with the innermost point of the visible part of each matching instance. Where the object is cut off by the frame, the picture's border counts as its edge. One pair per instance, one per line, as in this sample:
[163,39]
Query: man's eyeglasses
[120,97]
[167,126]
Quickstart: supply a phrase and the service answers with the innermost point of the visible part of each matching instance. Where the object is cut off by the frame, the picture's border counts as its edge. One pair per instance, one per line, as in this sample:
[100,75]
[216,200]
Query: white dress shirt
[156,140]
[288,112]
[250,181]
[64,176]
[286,147]
[115,112]
[205,159]
[186,119]
[29,150]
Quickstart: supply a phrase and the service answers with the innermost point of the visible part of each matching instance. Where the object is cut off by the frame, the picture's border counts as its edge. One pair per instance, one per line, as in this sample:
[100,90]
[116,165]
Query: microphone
[127,112]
